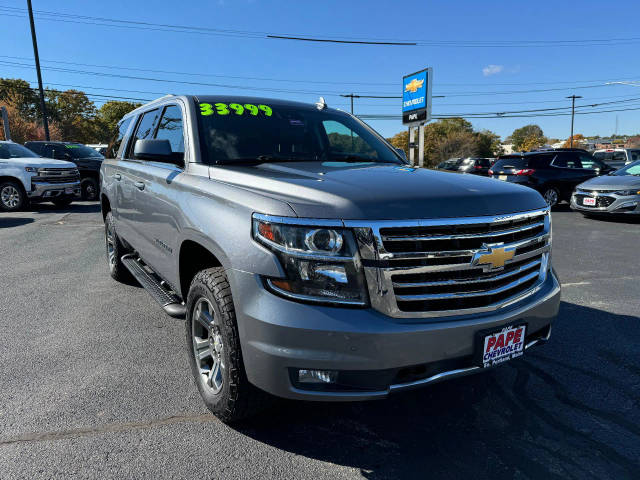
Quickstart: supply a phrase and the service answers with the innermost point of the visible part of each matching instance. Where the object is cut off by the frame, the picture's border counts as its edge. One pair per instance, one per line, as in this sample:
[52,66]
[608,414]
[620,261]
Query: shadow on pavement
[14,222]
[555,414]
[84,207]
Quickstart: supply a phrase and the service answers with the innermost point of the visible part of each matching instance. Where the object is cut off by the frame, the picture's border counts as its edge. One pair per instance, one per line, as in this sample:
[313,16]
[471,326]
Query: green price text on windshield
[222,109]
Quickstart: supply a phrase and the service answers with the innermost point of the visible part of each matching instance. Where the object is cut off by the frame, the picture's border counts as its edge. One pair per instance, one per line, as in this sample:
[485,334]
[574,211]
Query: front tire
[90,189]
[12,197]
[213,347]
[551,196]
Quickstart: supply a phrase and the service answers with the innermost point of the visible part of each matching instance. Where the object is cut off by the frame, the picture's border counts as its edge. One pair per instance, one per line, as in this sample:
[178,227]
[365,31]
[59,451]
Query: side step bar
[170,302]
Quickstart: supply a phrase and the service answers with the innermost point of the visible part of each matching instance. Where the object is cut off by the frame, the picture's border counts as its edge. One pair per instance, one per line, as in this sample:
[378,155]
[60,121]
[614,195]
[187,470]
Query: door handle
[117,176]
[139,185]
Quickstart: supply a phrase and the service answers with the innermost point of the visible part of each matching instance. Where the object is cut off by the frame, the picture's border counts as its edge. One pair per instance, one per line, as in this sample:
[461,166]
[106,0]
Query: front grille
[57,175]
[601,202]
[427,268]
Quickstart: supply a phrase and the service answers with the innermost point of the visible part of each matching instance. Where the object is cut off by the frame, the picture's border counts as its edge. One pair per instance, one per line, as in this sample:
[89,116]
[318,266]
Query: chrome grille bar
[462,236]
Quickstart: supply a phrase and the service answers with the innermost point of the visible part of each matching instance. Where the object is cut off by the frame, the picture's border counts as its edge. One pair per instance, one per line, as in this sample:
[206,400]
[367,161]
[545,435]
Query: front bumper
[617,204]
[375,354]
[42,191]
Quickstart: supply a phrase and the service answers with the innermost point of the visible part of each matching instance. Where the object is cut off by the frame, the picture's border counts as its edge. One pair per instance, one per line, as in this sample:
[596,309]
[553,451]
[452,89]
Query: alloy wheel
[208,347]
[10,197]
[111,251]
[551,197]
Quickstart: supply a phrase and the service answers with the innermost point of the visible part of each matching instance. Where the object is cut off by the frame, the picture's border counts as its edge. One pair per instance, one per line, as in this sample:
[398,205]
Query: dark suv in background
[476,166]
[554,173]
[87,160]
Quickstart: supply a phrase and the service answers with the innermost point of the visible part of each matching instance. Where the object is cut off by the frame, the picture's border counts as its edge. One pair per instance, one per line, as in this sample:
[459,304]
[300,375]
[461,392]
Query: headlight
[31,169]
[321,264]
[635,191]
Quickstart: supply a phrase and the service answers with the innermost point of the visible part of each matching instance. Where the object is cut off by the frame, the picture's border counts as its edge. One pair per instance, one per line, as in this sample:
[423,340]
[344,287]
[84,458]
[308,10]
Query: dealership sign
[416,97]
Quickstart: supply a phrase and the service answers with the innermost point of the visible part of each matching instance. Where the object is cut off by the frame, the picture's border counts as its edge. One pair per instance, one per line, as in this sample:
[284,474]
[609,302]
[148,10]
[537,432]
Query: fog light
[317,376]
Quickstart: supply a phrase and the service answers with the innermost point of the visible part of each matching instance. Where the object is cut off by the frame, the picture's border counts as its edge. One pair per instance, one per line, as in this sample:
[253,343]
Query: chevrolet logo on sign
[493,257]
[413,85]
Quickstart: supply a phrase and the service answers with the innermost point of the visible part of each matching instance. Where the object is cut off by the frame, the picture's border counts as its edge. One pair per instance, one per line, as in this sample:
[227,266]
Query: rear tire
[90,189]
[115,250]
[62,202]
[12,196]
[213,348]
[551,196]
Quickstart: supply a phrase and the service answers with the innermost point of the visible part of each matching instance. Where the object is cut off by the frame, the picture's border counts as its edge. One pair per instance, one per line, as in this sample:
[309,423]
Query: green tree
[108,116]
[488,144]
[527,138]
[400,140]
[74,113]
[19,93]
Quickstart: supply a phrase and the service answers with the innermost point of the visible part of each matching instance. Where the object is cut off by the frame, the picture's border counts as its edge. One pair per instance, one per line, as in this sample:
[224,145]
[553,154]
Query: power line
[143,25]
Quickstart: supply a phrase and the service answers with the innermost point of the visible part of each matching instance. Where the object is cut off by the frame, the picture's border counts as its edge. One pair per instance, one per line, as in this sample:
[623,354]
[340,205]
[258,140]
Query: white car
[617,157]
[26,177]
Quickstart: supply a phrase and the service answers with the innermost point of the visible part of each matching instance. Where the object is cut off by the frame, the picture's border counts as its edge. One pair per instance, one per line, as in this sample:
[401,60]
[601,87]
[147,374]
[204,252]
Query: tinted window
[116,139]
[589,162]
[540,161]
[603,155]
[145,129]
[619,156]
[170,128]
[510,163]
[35,147]
[634,154]
[344,141]
[56,151]
[484,162]
[567,160]
[13,150]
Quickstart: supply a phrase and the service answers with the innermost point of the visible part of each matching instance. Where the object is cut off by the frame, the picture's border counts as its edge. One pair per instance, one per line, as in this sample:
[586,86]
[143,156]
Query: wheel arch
[105,206]
[192,258]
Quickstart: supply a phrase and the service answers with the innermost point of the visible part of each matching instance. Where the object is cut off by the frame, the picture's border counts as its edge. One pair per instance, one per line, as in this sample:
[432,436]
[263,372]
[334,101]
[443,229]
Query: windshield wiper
[259,159]
[358,159]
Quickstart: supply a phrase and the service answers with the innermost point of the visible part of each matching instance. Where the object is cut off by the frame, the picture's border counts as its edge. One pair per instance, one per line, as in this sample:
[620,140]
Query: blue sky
[473,79]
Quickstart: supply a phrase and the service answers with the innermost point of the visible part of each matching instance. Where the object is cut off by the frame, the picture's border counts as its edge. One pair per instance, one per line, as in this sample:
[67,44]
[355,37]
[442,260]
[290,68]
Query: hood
[383,191]
[39,162]
[611,182]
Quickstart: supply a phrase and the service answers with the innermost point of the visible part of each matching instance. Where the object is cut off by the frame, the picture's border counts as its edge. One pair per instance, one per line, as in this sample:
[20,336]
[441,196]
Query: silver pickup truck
[310,261]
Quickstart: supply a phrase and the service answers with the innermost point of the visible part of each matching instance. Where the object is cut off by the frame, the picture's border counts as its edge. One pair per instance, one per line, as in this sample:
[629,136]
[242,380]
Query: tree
[527,138]
[456,144]
[578,140]
[488,144]
[19,93]
[109,114]
[634,142]
[73,112]
[401,140]
[23,129]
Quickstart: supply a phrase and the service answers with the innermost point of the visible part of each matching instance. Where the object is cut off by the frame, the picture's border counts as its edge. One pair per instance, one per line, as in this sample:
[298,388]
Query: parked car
[101,148]
[86,159]
[450,164]
[26,177]
[475,166]
[554,174]
[617,157]
[311,262]
[616,193]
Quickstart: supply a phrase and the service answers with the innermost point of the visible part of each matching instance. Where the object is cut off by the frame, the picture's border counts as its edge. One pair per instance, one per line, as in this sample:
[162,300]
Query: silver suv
[310,261]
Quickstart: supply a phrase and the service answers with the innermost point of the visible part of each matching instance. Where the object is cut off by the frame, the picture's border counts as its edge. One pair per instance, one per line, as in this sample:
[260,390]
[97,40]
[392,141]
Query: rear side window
[484,162]
[619,156]
[171,128]
[34,147]
[634,155]
[566,160]
[145,129]
[116,139]
[540,161]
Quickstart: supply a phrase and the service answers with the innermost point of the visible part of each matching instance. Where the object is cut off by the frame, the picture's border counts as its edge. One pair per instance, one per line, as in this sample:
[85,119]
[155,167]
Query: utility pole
[573,109]
[351,96]
[43,107]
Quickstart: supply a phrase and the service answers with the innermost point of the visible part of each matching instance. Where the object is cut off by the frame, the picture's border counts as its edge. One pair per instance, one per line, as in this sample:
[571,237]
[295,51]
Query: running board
[170,302]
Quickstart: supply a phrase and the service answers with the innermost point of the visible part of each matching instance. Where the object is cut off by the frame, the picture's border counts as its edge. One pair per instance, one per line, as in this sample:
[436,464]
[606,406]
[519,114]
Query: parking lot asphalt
[94,380]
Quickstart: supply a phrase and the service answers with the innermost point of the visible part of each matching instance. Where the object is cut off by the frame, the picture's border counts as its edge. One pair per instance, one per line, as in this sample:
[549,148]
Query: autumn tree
[73,112]
[634,142]
[108,116]
[23,129]
[401,140]
[578,140]
[527,138]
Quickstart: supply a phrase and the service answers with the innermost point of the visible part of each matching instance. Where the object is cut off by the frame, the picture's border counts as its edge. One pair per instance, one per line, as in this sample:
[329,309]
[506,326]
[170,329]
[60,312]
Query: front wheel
[213,347]
[12,197]
[89,189]
[551,196]
[115,251]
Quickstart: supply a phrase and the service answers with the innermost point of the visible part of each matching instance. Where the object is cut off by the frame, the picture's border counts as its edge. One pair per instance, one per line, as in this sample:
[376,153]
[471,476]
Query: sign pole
[416,110]
[421,145]
[412,143]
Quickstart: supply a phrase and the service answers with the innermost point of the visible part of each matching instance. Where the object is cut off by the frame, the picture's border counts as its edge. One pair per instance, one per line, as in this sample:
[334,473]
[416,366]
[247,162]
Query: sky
[487,57]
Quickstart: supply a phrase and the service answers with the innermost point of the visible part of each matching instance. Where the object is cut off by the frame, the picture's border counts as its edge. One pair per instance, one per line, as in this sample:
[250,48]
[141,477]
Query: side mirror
[402,153]
[153,150]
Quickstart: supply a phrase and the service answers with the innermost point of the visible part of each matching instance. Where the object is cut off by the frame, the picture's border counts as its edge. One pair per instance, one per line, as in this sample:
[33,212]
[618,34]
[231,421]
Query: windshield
[631,169]
[14,150]
[81,151]
[244,133]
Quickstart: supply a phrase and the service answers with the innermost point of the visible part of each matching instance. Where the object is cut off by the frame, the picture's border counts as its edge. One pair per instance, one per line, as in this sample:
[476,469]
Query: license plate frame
[589,201]
[483,357]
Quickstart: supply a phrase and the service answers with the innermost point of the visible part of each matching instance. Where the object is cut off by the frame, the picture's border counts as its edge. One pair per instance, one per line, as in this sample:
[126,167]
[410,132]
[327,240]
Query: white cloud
[492,70]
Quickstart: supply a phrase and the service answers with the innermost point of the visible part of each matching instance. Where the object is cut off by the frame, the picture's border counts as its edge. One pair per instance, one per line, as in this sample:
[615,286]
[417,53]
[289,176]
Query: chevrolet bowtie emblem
[413,85]
[493,257]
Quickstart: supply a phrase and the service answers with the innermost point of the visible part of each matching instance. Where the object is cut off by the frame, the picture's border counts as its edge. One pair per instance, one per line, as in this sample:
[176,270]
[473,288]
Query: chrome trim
[493,278]
[483,293]
[309,298]
[299,221]
[421,238]
[38,189]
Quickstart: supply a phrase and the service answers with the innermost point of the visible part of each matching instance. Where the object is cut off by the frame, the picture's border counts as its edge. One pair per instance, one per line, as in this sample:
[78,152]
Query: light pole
[573,109]
[43,107]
